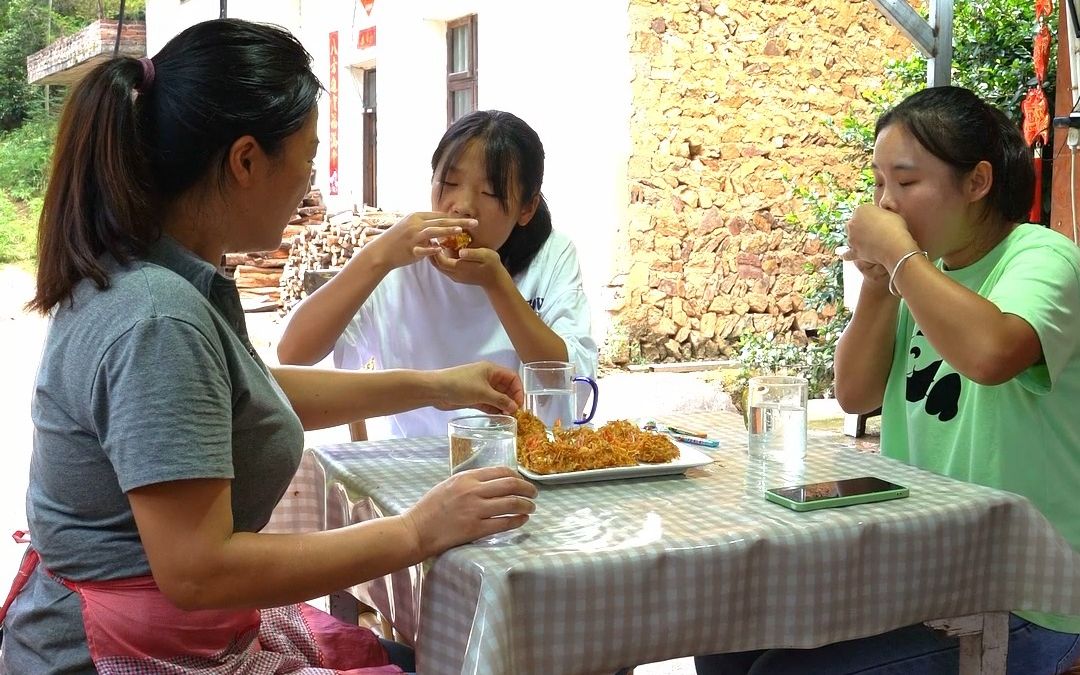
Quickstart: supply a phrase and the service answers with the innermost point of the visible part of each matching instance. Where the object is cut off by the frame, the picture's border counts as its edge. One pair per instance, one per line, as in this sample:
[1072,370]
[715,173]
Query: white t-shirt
[419,318]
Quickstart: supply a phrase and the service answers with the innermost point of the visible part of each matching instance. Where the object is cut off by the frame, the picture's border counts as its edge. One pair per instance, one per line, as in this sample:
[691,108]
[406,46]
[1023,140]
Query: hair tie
[147,75]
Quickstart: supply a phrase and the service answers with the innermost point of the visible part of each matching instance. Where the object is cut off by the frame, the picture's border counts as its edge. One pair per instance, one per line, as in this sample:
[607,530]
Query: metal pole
[900,14]
[224,9]
[48,39]
[939,67]
[119,29]
[933,39]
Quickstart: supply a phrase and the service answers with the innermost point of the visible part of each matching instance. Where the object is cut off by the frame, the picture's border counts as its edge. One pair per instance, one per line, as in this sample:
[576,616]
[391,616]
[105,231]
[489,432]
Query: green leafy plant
[24,156]
[992,44]
[24,161]
[764,354]
[18,229]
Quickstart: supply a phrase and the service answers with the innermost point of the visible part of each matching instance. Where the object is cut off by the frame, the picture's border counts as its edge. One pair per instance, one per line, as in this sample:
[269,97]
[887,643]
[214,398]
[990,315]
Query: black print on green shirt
[942,396]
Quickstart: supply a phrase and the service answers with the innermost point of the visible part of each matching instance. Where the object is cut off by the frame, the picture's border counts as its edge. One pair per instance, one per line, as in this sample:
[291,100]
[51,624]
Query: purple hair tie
[147,75]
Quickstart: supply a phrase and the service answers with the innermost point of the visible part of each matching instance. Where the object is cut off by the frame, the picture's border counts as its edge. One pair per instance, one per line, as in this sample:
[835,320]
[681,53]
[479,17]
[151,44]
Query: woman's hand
[411,238]
[467,506]
[873,275]
[878,236]
[474,266]
[482,385]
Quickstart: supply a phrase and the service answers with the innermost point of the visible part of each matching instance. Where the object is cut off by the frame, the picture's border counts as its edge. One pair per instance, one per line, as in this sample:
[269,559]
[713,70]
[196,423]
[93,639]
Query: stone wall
[731,98]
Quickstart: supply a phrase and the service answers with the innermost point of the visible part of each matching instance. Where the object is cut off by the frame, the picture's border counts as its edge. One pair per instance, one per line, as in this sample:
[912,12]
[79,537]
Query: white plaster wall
[317,20]
[166,18]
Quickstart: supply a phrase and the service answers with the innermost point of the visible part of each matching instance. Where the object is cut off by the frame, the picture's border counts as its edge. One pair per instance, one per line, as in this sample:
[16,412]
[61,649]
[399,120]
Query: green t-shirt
[1023,435]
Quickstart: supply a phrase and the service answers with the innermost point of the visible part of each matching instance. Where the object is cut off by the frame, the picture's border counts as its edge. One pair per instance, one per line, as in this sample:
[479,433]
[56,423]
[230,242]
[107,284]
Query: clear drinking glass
[482,440]
[550,394]
[478,441]
[776,417]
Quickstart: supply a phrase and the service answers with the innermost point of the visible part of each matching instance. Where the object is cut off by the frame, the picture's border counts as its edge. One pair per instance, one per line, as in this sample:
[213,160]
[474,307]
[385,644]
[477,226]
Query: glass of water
[478,441]
[551,394]
[776,417]
[482,440]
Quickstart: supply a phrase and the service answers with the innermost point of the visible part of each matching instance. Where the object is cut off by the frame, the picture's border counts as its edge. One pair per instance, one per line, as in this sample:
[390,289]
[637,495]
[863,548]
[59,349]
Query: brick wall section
[730,98]
[97,39]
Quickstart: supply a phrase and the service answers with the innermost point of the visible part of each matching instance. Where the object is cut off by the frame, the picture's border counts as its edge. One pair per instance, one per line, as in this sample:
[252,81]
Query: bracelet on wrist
[896,268]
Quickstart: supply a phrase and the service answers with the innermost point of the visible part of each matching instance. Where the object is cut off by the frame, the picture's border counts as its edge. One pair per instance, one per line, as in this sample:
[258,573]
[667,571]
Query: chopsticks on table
[682,435]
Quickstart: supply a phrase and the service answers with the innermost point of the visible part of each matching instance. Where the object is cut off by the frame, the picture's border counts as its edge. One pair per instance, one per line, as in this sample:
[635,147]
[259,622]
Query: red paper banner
[366,38]
[333,87]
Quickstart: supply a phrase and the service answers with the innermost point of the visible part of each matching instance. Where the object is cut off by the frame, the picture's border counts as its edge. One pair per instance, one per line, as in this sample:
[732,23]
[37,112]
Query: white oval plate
[688,458]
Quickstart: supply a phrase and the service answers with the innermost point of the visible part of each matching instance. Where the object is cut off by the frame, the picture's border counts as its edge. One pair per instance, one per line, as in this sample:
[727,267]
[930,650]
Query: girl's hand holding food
[474,266]
[414,237]
[878,236]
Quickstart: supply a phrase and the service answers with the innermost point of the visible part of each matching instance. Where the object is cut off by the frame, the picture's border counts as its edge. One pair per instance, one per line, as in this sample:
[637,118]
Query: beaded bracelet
[896,268]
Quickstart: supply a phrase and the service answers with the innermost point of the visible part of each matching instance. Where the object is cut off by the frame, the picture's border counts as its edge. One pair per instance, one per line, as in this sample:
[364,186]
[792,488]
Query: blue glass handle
[595,395]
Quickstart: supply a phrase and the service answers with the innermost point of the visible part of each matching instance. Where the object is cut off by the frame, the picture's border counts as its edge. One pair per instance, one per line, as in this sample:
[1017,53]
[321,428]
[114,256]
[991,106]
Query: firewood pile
[320,249]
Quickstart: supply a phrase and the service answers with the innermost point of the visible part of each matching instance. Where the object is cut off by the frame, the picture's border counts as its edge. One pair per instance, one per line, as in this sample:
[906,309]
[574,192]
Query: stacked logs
[258,275]
[321,248]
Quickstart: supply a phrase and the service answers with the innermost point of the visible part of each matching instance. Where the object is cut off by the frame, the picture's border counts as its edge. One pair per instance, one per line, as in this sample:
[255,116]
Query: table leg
[345,607]
[984,641]
[854,425]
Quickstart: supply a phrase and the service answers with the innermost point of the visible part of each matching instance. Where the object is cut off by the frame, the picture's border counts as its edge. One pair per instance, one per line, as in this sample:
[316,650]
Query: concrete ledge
[684,367]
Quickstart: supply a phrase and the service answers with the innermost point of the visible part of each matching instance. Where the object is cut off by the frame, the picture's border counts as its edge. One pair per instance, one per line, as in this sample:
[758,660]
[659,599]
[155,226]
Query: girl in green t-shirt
[967,335]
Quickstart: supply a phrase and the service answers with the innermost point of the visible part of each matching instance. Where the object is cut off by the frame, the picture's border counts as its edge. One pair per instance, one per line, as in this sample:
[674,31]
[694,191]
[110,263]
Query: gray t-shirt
[148,381]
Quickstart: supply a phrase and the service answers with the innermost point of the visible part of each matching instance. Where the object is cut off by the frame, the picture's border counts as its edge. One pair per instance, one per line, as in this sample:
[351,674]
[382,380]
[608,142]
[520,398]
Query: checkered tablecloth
[303,506]
[613,574]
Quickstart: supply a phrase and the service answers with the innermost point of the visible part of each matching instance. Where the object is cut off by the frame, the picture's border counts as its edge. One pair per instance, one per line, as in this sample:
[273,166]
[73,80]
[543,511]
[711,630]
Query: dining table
[609,574]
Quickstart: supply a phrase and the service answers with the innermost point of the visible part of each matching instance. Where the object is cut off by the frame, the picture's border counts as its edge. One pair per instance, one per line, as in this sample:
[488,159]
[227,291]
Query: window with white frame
[460,68]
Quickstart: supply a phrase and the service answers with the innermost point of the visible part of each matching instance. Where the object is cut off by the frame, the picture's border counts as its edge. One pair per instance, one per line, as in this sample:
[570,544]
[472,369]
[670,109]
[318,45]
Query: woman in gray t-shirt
[162,442]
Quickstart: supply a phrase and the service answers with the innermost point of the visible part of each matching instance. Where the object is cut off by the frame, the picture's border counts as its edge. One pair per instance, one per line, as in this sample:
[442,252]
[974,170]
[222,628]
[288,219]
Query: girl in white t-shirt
[512,295]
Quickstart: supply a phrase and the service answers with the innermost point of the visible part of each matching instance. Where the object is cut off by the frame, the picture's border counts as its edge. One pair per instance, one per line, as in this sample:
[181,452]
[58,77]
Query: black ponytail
[98,195]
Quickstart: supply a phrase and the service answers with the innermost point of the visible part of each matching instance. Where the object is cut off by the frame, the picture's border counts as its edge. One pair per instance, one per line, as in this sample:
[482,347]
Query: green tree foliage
[26,26]
[22,32]
[992,44]
[26,130]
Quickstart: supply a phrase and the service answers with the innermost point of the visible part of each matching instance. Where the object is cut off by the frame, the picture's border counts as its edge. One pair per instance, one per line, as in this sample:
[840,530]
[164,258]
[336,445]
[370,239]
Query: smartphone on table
[834,493]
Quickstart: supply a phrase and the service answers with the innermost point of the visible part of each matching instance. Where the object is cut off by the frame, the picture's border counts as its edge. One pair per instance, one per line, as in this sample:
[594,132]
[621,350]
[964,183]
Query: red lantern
[1041,52]
[1036,116]
[1036,110]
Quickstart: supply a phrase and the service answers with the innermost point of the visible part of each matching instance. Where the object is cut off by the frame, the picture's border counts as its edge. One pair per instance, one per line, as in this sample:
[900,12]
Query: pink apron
[133,629]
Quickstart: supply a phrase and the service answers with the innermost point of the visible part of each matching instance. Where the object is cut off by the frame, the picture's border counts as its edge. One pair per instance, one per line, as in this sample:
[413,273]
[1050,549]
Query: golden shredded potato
[617,443]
